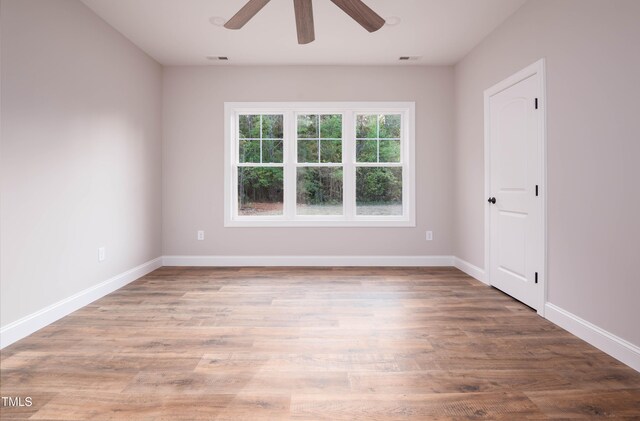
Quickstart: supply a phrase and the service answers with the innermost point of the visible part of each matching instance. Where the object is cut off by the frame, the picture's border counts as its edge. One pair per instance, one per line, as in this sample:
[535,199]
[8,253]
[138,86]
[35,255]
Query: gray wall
[194,160]
[593,66]
[80,159]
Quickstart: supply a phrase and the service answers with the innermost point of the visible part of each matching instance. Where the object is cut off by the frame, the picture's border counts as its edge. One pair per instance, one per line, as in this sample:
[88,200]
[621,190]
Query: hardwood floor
[311,344]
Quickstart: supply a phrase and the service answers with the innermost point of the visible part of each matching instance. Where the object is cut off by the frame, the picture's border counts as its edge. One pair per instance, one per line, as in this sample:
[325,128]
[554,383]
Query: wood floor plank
[457,381]
[494,406]
[580,404]
[267,381]
[308,344]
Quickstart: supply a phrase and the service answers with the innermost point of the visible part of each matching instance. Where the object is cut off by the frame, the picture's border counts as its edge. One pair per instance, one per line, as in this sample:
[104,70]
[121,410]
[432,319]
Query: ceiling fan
[359,11]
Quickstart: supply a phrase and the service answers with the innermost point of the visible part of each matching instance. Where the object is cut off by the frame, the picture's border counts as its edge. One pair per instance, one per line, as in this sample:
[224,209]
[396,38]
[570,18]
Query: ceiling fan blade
[361,13]
[304,21]
[245,14]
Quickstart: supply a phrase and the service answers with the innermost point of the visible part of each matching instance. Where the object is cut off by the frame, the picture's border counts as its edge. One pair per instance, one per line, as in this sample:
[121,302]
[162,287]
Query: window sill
[390,223]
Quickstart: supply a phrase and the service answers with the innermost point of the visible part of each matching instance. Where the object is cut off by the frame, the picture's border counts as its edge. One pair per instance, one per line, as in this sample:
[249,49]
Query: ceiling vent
[409,58]
[218,58]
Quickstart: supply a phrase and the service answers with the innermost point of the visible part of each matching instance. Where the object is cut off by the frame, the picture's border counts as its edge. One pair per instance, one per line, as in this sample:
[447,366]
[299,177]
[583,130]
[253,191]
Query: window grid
[378,139]
[318,139]
[261,140]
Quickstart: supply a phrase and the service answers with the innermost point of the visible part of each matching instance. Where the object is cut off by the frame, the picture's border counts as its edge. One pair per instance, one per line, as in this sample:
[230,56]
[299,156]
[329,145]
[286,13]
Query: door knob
[492,200]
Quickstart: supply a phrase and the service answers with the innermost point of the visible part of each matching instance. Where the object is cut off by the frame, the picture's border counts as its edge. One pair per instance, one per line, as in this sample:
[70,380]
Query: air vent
[409,58]
[218,58]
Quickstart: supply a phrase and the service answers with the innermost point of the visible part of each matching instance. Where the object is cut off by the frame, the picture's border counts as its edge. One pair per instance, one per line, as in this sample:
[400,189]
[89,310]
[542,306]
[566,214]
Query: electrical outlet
[102,254]
[200,235]
[429,235]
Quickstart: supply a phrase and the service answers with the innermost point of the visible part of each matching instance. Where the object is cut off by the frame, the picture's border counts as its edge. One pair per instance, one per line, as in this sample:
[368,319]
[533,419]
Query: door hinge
[536,190]
[536,103]
[536,278]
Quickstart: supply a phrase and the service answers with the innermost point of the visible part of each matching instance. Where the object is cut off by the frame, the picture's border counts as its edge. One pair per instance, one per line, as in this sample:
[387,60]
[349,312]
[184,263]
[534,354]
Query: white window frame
[348,110]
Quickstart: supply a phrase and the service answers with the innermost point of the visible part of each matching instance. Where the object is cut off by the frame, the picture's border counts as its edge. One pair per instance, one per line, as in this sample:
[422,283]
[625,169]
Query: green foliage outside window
[378,140]
[319,140]
[378,185]
[319,186]
[260,184]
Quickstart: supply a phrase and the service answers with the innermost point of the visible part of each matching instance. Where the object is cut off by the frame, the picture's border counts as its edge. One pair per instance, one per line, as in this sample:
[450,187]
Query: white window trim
[348,109]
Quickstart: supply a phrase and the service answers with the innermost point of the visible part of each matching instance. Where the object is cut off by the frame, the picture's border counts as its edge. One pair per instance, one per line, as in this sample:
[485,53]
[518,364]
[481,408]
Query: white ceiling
[178,32]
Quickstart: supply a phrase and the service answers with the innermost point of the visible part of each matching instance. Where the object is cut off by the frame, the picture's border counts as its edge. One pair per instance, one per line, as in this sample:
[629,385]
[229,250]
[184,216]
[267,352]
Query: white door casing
[515,257]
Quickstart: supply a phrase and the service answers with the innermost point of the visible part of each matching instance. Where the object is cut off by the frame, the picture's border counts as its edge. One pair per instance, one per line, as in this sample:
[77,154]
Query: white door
[514,180]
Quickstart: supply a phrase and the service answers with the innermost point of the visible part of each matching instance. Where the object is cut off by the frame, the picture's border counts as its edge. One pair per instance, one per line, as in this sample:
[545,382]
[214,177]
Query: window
[260,164]
[319,164]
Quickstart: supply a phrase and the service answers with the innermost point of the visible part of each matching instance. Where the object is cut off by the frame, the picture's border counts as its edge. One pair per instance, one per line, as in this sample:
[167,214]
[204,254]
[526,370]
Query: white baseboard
[607,342]
[27,325]
[469,269]
[307,260]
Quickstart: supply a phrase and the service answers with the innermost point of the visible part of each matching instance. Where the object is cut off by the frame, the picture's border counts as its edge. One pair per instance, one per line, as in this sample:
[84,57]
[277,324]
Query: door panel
[515,218]
[512,232]
[510,144]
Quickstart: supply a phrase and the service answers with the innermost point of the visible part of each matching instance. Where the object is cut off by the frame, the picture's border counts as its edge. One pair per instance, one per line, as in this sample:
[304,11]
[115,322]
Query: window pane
[271,151]
[272,126]
[319,191]
[331,151]
[308,126]
[260,191]
[390,126]
[249,151]
[366,126]
[331,126]
[367,150]
[307,151]
[378,191]
[389,151]
[249,126]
